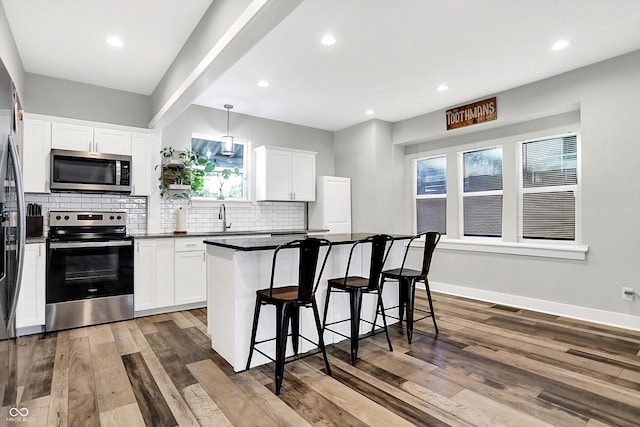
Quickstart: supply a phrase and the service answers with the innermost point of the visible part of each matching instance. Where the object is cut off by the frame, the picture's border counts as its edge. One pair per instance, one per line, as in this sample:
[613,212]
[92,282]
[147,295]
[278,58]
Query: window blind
[431,194]
[482,192]
[548,202]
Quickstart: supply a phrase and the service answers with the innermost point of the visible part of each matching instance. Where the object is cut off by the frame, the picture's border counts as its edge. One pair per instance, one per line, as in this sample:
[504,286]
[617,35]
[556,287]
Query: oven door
[89,269]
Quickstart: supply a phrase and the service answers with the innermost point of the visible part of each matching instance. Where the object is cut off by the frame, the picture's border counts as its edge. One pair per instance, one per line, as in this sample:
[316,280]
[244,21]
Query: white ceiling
[390,55]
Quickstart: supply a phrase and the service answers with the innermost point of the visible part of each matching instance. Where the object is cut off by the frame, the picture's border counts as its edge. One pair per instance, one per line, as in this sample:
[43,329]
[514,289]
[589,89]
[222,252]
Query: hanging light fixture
[227,140]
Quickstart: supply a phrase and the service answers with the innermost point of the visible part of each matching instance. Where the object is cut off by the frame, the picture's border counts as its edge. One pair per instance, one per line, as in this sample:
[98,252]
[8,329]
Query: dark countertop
[217,234]
[40,239]
[272,242]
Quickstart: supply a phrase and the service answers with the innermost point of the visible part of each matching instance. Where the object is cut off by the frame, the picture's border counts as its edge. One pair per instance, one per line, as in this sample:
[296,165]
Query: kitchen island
[237,267]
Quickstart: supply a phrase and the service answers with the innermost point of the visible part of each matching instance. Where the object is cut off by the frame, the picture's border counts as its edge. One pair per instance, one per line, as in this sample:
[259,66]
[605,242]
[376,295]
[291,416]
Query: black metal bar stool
[407,279]
[288,300]
[356,286]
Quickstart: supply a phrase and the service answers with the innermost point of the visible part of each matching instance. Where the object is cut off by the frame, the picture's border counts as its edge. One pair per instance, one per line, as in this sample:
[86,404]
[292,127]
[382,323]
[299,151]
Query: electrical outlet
[627,294]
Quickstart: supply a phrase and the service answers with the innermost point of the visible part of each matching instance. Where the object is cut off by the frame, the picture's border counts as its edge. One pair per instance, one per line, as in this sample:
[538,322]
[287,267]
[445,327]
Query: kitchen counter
[237,267]
[216,234]
[274,240]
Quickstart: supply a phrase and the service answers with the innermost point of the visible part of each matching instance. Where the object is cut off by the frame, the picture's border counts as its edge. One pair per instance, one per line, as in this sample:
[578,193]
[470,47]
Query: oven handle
[63,245]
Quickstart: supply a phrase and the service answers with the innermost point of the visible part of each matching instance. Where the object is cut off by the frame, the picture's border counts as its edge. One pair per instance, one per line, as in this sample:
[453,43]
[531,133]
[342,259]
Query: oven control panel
[83,219]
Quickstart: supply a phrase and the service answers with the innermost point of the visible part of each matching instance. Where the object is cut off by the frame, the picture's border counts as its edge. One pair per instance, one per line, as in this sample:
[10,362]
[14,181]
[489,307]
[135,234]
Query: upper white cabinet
[31,301]
[112,141]
[68,136]
[142,147]
[36,145]
[285,174]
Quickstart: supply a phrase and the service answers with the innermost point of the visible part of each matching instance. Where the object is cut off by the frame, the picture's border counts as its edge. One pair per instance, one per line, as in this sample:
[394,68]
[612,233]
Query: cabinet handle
[39,251]
[191,244]
[138,246]
[204,256]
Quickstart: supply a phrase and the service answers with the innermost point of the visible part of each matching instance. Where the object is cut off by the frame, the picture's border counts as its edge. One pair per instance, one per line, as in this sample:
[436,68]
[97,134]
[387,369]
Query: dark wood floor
[490,366]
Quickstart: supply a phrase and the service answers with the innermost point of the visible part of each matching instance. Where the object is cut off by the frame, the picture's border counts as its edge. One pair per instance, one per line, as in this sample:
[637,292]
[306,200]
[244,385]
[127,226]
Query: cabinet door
[36,145]
[112,141]
[303,177]
[31,302]
[71,137]
[165,269]
[277,175]
[142,169]
[190,277]
[144,275]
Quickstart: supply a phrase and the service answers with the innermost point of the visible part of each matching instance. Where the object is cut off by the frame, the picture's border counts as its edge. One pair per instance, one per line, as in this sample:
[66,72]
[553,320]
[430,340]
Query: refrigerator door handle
[20,224]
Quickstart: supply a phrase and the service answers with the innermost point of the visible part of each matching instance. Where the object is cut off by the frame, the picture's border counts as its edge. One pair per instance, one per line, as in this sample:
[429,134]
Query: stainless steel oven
[89,269]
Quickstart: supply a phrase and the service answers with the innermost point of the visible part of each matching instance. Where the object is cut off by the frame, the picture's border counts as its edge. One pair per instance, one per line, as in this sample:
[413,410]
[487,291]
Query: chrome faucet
[222,214]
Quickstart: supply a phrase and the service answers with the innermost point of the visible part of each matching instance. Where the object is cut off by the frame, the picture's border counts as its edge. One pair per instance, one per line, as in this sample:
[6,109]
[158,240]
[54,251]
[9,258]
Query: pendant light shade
[227,140]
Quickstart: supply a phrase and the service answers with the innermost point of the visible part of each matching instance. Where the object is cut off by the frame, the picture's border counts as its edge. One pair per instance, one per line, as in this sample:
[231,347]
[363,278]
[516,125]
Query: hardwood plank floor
[491,365]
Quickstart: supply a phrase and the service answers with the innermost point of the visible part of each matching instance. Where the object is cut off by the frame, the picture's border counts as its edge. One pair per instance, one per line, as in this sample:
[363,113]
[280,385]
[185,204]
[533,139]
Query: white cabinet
[285,174]
[35,160]
[332,208]
[31,302]
[153,273]
[190,271]
[169,272]
[112,141]
[142,148]
[68,136]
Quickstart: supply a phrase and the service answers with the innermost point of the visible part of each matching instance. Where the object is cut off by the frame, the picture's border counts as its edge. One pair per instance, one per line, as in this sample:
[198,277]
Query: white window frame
[576,188]
[200,200]
[417,197]
[462,194]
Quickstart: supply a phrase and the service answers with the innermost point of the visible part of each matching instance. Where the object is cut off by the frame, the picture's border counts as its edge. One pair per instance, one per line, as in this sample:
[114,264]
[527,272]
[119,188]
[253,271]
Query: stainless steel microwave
[89,171]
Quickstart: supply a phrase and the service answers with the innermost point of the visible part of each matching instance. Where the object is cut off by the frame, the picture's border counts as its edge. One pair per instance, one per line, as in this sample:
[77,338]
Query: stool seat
[282,294]
[350,282]
[396,273]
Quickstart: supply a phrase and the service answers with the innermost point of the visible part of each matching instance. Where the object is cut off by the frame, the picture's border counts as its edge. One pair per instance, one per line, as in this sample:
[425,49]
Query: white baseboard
[626,321]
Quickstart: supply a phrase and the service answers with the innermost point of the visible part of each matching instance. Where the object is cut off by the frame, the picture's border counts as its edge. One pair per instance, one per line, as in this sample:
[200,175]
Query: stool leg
[410,285]
[256,315]
[433,314]
[316,316]
[384,321]
[326,308]
[282,328]
[402,298]
[355,297]
[375,319]
[295,328]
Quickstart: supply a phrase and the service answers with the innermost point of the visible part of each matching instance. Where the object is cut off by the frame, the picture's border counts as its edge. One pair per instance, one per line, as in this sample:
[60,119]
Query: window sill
[572,252]
[208,202]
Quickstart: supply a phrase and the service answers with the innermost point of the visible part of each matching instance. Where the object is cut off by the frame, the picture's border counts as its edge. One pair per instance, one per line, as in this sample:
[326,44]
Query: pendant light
[227,140]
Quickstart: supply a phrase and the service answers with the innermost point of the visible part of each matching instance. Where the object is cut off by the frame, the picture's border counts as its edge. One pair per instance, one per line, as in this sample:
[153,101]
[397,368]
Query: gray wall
[604,98]
[9,55]
[365,153]
[64,98]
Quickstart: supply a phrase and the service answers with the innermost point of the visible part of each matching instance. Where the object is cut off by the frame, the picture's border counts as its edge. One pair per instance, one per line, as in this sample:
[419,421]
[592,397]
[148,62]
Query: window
[482,192]
[431,194]
[225,182]
[548,189]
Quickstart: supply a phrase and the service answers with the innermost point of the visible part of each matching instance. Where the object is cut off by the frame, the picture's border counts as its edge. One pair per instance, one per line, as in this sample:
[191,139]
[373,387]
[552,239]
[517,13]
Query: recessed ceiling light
[369,112]
[115,42]
[328,40]
[442,88]
[264,83]
[560,44]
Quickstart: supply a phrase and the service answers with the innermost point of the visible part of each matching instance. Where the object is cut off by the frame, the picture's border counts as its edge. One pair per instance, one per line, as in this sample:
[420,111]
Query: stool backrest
[379,253]
[431,239]
[309,252]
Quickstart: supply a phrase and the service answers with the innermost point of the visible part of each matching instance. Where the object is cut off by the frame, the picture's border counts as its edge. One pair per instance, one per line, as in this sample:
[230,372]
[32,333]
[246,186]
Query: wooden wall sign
[470,114]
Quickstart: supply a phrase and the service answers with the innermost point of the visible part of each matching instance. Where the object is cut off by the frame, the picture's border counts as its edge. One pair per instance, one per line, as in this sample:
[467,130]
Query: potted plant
[182,173]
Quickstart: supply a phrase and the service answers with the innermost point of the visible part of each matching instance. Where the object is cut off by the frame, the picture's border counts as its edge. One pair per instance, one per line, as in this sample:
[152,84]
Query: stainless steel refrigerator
[12,238]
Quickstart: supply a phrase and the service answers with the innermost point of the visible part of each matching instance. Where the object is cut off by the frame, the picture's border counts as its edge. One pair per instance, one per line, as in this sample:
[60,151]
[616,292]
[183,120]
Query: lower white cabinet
[31,302]
[169,272]
[190,271]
